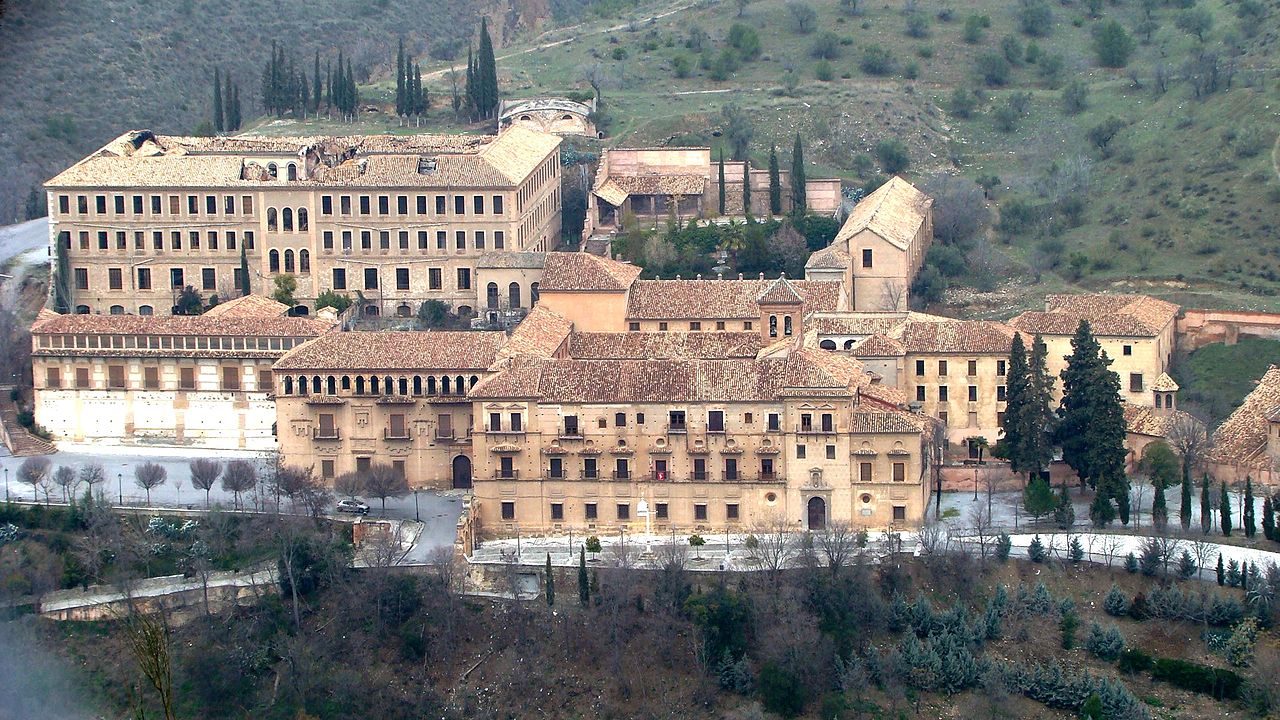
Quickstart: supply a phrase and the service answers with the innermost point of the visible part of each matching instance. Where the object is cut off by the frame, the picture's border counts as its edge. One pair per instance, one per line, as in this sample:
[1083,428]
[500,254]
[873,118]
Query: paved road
[438,511]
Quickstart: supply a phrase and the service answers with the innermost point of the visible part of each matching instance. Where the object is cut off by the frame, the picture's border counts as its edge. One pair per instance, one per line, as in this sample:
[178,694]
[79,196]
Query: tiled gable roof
[663,345]
[669,184]
[541,333]
[187,325]
[1164,383]
[395,350]
[1146,420]
[248,306]
[726,299]
[878,346]
[895,212]
[1242,438]
[512,260]
[575,271]
[831,257]
[955,336]
[1109,314]
[780,292]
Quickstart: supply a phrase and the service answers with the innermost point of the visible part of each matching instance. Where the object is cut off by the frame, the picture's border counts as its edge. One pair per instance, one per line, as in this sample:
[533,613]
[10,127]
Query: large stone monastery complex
[716,402]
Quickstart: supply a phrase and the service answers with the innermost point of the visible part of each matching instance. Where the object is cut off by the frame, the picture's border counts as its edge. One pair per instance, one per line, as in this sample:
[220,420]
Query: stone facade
[202,380]
[554,115]
[398,219]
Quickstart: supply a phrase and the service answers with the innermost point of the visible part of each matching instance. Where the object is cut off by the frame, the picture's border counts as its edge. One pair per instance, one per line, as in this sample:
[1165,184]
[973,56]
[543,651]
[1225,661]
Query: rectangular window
[479,239]
[661,511]
[700,511]
[53,377]
[155,205]
[831,452]
[246,204]
[326,469]
[621,469]
[973,393]
[115,279]
[459,205]
[943,393]
[899,472]
[366,240]
[364,204]
[100,204]
[422,204]
[102,240]
[556,467]
[422,240]
[384,205]
[775,421]
[64,204]
[404,239]
[1000,368]
[864,472]
[699,469]
[371,278]
[82,278]
[695,325]
[477,205]
[619,419]
[176,277]
[434,281]
[517,422]
[213,239]
[384,239]
[115,377]
[942,416]
[440,210]
[144,278]
[327,240]
[557,511]
[590,511]
[402,278]
[442,239]
[624,511]
[326,205]
[731,511]
[345,204]
[151,378]
[942,367]
[919,367]
[237,279]
[1128,350]
[1135,382]
[866,258]
[231,378]
[899,512]
[920,393]
[1000,393]
[715,421]
[589,469]
[137,204]
[460,239]
[464,278]
[118,202]
[972,368]
[82,204]
[339,279]
[508,510]
[499,239]
[210,205]
[731,469]
[633,327]
[193,205]
[195,239]
[497,204]
[186,378]
[800,452]
[82,378]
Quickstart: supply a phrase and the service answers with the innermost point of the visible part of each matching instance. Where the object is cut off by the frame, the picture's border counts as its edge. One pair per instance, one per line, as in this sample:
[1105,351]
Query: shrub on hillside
[1116,603]
[1217,682]
[1106,644]
[876,60]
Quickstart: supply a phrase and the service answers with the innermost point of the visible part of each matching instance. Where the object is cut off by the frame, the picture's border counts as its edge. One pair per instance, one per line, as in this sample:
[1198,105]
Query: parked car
[353,506]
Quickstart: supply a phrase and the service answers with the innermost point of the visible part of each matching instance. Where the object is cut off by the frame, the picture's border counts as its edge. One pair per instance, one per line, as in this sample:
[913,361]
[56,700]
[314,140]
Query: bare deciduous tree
[34,471]
[204,473]
[769,546]
[1190,440]
[838,544]
[237,477]
[383,481]
[151,644]
[349,485]
[983,533]
[1109,547]
[892,295]
[65,478]
[92,474]
[149,476]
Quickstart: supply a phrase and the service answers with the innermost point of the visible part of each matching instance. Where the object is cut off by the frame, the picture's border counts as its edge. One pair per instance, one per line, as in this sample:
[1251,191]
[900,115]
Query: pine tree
[1159,512]
[798,202]
[551,584]
[317,89]
[1017,395]
[775,182]
[720,184]
[584,589]
[401,104]
[1268,519]
[1206,506]
[1184,508]
[1092,429]
[244,272]
[1225,510]
[218,122]
[746,188]
[62,280]
[1250,527]
[487,67]
[1038,417]
[1038,498]
[1101,513]
[1222,575]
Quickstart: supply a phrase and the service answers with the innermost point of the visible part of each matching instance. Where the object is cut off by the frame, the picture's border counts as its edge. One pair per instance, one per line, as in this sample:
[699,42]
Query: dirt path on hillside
[543,46]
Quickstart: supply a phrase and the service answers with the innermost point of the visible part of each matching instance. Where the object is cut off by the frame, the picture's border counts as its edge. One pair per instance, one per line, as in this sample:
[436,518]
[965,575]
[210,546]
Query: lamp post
[6,485]
[415,506]
[120,487]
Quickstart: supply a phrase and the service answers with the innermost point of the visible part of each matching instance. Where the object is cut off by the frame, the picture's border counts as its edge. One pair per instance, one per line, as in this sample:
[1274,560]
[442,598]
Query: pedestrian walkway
[20,442]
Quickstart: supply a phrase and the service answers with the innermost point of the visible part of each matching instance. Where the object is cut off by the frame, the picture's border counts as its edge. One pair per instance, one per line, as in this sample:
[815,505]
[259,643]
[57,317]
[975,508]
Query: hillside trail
[1275,157]
[543,46]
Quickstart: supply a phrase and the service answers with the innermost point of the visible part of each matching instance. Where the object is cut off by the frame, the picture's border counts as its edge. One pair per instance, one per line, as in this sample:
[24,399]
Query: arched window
[848,344]
[346,382]
[117,309]
[273,171]
[459,386]
[273,261]
[388,387]
[474,380]
[288,261]
[404,386]
[271,218]
[403,310]
[513,294]
[331,385]
[525,118]
[146,310]
[302,218]
[359,385]
[302,384]
[417,384]
[444,385]
[286,219]
[293,171]
[374,385]
[566,116]
[464,311]
[786,325]
[315,385]
[491,295]
[827,344]
[304,261]
[533,294]
[288,385]
[431,385]
[773,326]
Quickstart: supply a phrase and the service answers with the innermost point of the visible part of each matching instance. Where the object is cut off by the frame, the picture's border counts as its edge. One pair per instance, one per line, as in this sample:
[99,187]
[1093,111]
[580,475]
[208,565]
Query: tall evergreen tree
[423,98]
[1159,511]
[1206,506]
[1268,519]
[1038,419]
[62,280]
[304,94]
[551,584]
[1184,508]
[237,118]
[1091,431]
[219,123]
[775,183]
[229,104]
[584,588]
[487,66]
[472,86]
[316,88]
[746,188]
[351,93]
[244,272]
[799,204]
[1225,509]
[1250,525]
[401,98]
[1017,395]
[37,204]
[721,186]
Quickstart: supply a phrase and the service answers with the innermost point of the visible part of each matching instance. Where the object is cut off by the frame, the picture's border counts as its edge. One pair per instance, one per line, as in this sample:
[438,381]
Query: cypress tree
[775,183]
[62,280]
[1250,527]
[1092,426]
[1159,512]
[316,88]
[218,123]
[1038,419]
[328,84]
[551,584]
[746,188]
[268,80]
[1017,395]
[235,108]
[244,272]
[487,66]
[304,94]
[584,588]
[401,105]
[721,183]
[1206,506]
[470,87]
[352,93]
[1184,509]
[798,202]
[1225,510]
[37,205]
[424,99]
[1222,573]
[1268,519]
[229,104]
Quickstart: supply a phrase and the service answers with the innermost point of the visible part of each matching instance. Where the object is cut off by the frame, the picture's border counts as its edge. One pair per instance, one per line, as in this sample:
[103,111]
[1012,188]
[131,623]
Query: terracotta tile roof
[780,292]
[1164,383]
[672,184]
[142,159]
[885,422]
[955,336]
[663,345]
[1146,420]
[396,350]
[248,306]
[895,212]
[611,193]
[832,257]
[576,271]
[879,346]
[1108,314]
[194,325]
[721,299]
[512,260]
[541,333]
[857,323]
[1242,438]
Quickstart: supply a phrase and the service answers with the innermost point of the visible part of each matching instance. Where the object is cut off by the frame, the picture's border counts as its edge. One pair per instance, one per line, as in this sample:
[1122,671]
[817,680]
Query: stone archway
[461,472]
[817,513]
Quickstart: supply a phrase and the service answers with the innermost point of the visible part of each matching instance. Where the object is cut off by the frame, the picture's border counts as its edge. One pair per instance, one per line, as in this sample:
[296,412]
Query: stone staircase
[20,442]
